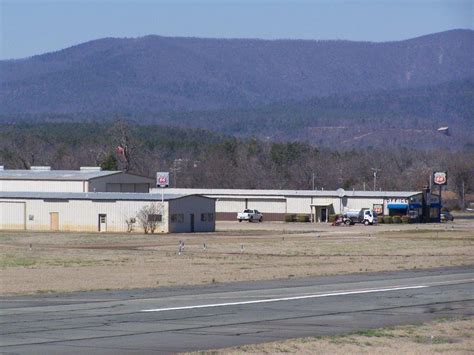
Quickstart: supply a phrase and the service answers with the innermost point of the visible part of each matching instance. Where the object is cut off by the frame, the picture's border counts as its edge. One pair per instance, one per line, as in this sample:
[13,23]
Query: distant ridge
[155,74]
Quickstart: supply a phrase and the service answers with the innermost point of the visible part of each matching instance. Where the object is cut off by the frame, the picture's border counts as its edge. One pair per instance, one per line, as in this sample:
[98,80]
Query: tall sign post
[440,178]
[162,180]
[375,170]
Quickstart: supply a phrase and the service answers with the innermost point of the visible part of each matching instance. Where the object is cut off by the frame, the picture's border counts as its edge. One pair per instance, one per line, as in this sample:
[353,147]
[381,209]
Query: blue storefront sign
[397,206]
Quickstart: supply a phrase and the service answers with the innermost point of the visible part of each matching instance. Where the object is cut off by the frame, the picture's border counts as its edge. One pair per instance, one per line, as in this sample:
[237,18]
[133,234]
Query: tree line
[201,159]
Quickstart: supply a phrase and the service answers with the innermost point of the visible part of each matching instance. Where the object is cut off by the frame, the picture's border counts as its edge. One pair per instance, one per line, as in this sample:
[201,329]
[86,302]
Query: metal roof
[248,193]
[70,175]
[94,196]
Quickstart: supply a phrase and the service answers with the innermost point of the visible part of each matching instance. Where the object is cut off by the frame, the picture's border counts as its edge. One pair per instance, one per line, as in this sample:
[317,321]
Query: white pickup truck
[250,215]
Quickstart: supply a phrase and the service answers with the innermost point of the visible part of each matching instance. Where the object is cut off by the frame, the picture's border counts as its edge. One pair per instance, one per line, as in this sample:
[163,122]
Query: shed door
[102,223]
[192,222]
[12,215]
[324,214]
[54,221]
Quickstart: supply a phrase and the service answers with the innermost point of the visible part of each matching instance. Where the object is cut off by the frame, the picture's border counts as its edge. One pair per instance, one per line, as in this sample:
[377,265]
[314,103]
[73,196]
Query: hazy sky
[30,27]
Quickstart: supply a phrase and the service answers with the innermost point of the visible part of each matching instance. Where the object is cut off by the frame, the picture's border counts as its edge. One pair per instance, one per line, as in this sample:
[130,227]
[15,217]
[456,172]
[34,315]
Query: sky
[30,27]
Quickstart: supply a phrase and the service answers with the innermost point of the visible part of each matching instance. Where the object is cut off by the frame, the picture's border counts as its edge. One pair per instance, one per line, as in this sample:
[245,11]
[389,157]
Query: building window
[177,218]
[155,218]
[207,217]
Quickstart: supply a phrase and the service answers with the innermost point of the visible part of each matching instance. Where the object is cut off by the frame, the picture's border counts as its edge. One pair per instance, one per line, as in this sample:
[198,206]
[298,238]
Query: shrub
[380,219]
[397,219]
[302,218]
[387,219]
[332,218]
[290,217]
[406,219]
[149,217]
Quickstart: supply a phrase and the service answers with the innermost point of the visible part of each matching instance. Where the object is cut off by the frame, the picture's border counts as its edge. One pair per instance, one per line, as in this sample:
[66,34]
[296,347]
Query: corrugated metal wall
[193,205]
[233,205]
[122,182]
[268,205]
[83,215]
[42,185]
[298,205]
[355,203]
[12,215]
[122,187]
[111,183]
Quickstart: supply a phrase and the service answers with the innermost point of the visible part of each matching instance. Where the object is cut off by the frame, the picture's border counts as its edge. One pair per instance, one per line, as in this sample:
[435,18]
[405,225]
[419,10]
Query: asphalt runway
[178,319]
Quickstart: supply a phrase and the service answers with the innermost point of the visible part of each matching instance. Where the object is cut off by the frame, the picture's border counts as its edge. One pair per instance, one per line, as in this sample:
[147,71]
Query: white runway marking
[268,300]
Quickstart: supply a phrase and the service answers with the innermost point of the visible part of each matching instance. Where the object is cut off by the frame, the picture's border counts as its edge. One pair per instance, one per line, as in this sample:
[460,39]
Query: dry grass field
[443,336]
[63,262]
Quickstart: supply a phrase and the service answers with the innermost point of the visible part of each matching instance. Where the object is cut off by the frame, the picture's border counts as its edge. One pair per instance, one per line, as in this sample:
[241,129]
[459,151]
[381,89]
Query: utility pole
[375,170]
[463,197]
[175,169]
[313,181]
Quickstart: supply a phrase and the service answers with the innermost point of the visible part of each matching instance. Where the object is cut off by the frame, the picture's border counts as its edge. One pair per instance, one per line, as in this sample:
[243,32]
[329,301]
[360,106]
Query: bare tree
[23,150]
[150,217]
[461,176]
[124,143]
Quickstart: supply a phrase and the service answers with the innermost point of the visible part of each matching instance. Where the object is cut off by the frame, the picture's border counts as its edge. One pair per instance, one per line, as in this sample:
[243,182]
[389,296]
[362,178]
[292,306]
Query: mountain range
[318,91]
[157,74]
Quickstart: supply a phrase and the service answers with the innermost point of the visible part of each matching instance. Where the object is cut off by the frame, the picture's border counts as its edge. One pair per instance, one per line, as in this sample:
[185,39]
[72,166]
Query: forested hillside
[198,158]
[406,118]
[155,74]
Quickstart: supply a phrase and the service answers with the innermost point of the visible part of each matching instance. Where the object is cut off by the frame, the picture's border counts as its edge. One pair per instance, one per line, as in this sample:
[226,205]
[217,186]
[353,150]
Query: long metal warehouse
[106,212]
[87,179]
[317,204]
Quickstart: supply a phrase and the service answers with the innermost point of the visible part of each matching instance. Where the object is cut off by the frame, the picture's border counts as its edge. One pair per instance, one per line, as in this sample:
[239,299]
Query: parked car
[250,215]
[446,216]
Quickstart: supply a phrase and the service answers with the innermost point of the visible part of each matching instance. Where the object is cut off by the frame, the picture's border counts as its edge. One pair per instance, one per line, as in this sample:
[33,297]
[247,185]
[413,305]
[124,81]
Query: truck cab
[370,217]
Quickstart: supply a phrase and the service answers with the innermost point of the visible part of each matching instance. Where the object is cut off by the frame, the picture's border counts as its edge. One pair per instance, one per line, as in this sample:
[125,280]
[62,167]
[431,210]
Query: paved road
[214,316]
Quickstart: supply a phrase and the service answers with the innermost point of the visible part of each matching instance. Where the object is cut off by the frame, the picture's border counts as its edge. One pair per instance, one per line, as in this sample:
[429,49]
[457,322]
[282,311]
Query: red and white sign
[440,178]
[378,208]
[162,179]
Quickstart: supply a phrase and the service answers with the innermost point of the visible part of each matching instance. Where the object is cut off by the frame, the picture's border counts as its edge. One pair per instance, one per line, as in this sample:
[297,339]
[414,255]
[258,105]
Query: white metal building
[275,204]
[87,179]
[104,212]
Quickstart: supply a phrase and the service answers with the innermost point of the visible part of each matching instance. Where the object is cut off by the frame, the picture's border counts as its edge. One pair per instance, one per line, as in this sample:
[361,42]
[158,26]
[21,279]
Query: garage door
[12,215]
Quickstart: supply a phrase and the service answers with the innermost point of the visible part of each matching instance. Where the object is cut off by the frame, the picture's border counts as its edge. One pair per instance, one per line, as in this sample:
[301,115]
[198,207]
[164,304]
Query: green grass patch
[420,339]
[418,231]
[11,260]
[344,339]
[71,262]
[378,333]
